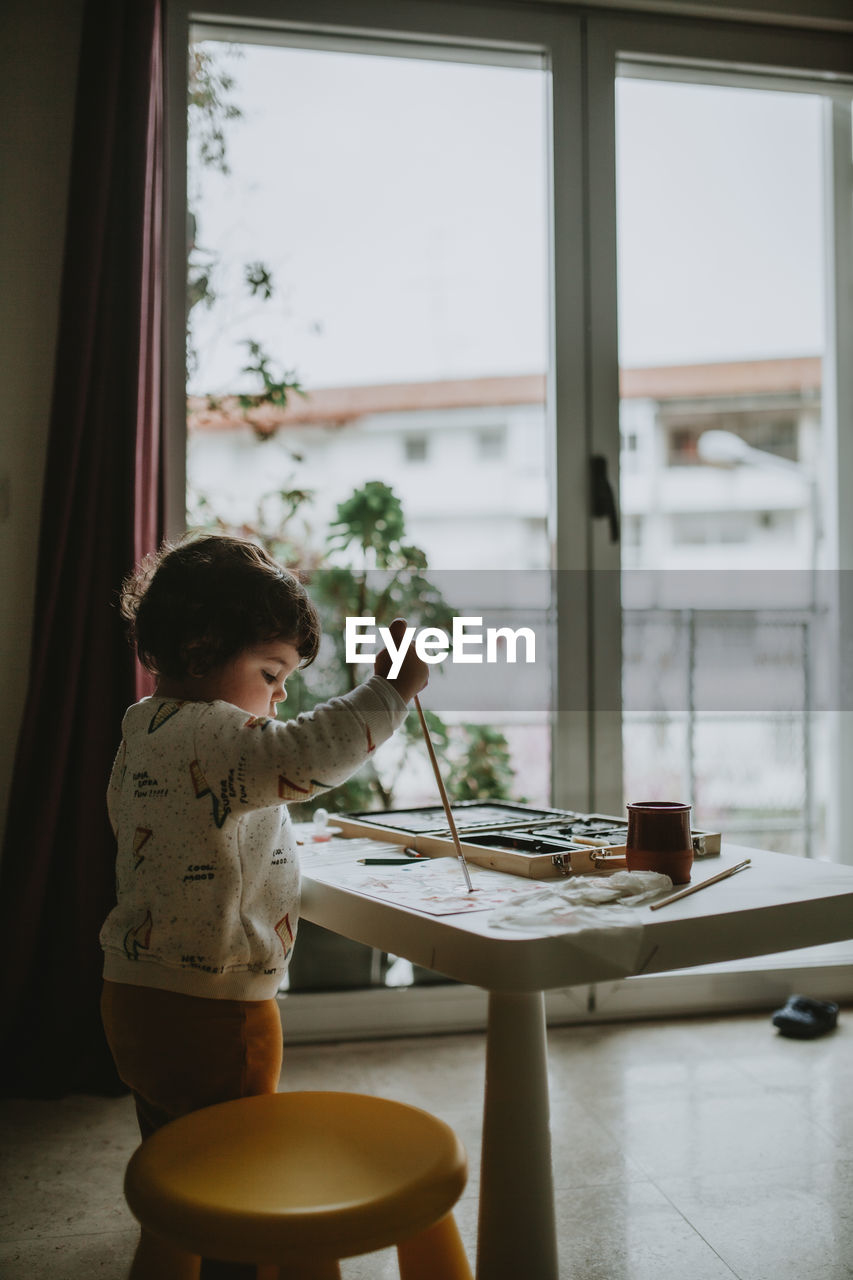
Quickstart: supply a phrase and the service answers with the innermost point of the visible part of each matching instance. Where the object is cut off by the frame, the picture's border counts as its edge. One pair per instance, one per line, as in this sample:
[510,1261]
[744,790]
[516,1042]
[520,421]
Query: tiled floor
[683,1150]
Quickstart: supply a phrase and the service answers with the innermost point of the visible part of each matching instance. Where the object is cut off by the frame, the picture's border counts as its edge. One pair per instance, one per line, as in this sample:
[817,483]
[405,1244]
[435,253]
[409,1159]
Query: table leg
[517,1237]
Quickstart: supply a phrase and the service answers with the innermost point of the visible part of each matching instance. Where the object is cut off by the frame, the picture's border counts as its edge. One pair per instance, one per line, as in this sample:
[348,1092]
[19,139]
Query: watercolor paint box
[516,838]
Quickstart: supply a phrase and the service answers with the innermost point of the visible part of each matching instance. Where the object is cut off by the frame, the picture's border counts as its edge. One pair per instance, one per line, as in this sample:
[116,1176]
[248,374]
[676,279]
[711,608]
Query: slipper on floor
[803,1018]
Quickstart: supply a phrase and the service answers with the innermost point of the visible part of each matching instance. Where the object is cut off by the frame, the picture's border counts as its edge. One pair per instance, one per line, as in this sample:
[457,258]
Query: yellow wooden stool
[300,1180]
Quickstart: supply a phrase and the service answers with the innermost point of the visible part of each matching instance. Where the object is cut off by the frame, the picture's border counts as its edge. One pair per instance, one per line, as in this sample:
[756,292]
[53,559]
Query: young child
[207,875]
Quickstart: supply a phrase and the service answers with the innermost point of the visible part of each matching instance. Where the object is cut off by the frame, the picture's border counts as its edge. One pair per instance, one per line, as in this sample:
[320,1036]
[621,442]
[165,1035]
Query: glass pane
[368,343]
[721,343]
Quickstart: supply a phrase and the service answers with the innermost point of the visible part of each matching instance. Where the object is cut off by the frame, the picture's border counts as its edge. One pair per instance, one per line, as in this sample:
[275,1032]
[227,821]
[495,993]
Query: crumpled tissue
[596,914]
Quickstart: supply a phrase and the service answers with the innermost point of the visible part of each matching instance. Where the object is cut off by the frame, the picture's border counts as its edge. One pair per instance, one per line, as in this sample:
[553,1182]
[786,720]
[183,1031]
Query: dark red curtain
[102,510]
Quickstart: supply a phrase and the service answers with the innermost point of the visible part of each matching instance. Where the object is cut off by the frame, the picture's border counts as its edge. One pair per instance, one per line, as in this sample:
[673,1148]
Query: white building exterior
[469,461]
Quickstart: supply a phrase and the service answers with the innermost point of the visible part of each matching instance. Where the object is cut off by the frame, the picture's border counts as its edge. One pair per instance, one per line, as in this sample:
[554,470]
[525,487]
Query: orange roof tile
[335,406]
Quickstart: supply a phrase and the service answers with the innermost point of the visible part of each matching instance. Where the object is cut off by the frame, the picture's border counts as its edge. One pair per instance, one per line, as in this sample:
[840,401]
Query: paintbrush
[694,888]
[444,800]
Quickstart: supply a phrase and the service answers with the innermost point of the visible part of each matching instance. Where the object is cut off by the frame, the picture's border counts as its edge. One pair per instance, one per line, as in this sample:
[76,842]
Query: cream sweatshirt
[207,873]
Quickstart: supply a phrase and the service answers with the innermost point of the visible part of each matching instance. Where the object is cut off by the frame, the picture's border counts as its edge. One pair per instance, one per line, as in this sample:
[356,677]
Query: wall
[37,85]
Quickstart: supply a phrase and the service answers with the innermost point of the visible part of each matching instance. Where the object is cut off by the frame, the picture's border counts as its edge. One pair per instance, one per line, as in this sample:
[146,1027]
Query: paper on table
[433,886]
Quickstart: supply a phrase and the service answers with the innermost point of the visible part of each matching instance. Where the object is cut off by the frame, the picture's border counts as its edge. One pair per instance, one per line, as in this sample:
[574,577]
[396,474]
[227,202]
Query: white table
[778,903]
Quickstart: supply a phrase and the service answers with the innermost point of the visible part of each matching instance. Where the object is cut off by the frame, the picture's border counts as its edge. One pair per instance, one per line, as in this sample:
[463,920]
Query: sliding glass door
[729,184]
[371,387]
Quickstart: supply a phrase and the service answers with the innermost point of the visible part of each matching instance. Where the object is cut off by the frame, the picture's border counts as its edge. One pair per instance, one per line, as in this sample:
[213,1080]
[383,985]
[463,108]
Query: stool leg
[156,1259]
[438,1251]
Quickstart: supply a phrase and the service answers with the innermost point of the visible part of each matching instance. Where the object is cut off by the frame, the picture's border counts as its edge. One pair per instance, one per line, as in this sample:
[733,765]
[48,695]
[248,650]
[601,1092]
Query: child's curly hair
[196,604]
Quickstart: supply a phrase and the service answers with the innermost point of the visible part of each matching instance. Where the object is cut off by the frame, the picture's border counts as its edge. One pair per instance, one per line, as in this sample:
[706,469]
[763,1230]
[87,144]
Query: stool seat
[296,1175]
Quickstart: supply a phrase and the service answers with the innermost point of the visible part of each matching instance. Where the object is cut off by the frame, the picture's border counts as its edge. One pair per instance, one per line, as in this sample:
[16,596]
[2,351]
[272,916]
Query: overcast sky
[401,206]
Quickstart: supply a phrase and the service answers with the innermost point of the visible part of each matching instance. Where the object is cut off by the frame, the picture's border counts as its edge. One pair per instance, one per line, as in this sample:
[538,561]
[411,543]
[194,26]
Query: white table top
[778,903]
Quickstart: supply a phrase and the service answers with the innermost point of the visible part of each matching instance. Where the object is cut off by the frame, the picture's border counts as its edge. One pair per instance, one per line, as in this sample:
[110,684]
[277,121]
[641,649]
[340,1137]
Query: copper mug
[659,839]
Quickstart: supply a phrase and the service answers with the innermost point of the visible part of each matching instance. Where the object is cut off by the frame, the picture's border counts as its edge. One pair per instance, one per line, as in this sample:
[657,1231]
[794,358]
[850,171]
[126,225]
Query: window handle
[603,499]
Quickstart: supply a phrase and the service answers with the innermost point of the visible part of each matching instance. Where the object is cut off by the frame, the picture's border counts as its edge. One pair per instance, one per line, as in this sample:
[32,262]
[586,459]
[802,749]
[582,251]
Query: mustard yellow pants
[180,1053]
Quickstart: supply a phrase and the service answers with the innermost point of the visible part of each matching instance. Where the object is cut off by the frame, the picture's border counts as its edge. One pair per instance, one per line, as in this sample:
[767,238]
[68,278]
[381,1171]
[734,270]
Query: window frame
[583,49]
[457,30]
